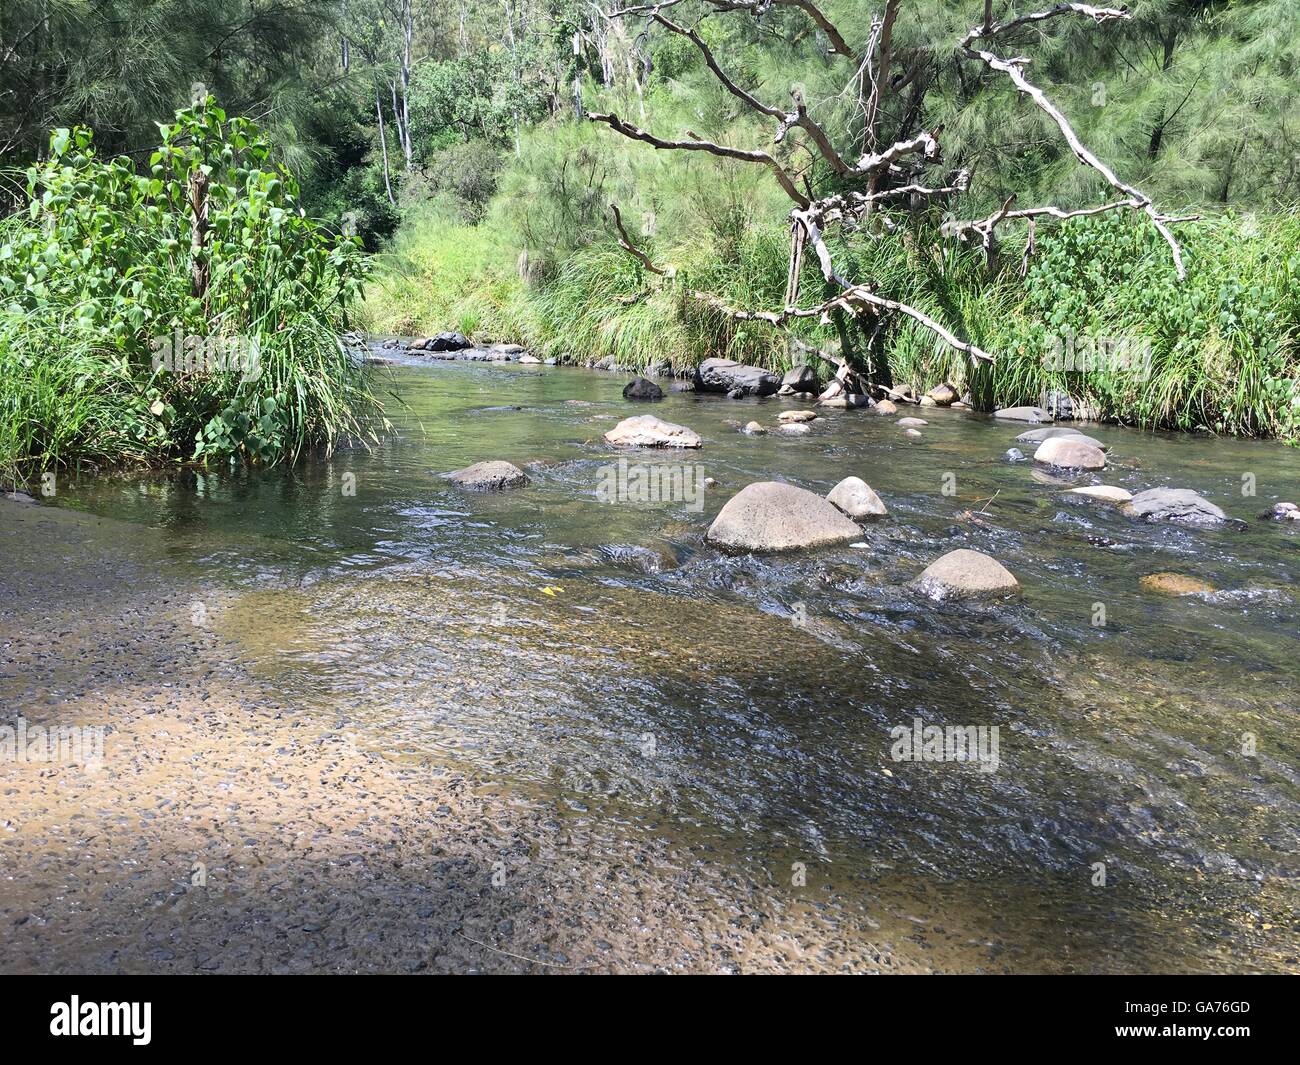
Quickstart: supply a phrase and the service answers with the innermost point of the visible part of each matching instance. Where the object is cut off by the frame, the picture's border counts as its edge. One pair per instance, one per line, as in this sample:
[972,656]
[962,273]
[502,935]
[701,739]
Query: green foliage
[98,291]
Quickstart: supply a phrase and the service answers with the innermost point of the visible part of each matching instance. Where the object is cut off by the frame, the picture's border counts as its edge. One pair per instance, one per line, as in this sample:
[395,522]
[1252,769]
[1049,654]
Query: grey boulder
[772,516]
[857,499]
[965,574]
[488,476]
[800,379]
[646,430]
[724,375]
[1023,414]
[1180,505]
[640,388]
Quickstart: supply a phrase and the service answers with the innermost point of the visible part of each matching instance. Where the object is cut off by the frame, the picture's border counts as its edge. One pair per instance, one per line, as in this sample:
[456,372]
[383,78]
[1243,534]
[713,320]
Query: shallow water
[600,657]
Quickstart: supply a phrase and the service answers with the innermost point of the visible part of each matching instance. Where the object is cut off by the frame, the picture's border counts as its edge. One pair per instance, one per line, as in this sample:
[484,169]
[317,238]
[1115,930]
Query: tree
[874,185]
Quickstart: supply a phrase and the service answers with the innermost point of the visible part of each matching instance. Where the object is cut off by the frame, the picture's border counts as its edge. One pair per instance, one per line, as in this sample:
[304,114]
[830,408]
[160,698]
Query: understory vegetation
[187,313]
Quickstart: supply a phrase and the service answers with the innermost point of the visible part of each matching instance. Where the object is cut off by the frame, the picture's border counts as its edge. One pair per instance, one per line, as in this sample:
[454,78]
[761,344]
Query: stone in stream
[1175,584]
[943,395]
[794,429]
[1180,505]
[1014,454]
[886,406]
[800,379]
[754,429]
[856,498]
[1105,492]
[1023,414]
[1071,453]
[529,360]
[640,388]
[1282,512]
[490,476]
[15,496]
[846,400]
[447,342]
[724,375]
[914,434]
[965,574]
[772,516]
[796,416]
[1037,436]
[646,430]
[910,423]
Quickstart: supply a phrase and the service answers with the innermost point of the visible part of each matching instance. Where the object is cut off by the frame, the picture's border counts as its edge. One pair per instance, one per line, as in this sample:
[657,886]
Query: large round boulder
[645,430]
[488,476]
[724,375]
[1180,505]
[943,395]
[773,516]
[447,342]
[857,499]
[1071,453]
[641,388]
[965,574]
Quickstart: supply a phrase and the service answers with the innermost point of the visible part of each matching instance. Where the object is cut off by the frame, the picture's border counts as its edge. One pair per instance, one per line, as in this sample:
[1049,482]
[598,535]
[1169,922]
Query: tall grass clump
[192,313]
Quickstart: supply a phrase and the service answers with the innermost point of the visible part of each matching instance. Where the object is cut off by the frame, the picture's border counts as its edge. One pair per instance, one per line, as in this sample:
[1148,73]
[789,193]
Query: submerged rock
[640,388]
[724,375]
[963,574]
[909,423]
[1071,453]
[754,429]
[794,429]
[772,516]
[1105,492]
[492,476]
[645,430]
[1175,584]
[1180,505]
[1014,454]
[796,416]
[915,434]
[856,498]
[1023,414]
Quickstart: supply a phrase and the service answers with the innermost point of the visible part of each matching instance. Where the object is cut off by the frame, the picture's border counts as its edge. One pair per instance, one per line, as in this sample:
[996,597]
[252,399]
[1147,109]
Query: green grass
[1224,345]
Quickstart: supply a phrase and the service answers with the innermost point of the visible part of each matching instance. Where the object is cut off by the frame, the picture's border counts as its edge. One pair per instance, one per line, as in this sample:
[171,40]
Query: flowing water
[600,658]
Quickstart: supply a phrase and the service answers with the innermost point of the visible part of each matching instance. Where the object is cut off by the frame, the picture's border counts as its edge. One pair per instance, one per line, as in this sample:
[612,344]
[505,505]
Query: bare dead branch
[625,242]
[989,29]
[853,301]
[699,144]
[1012,69]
